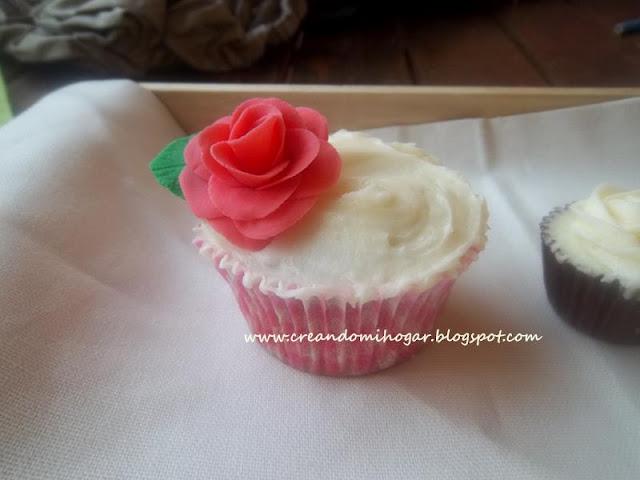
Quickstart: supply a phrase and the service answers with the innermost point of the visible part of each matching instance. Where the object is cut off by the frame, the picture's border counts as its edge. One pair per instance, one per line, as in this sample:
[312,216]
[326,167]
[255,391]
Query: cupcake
[591,262]
[334,244]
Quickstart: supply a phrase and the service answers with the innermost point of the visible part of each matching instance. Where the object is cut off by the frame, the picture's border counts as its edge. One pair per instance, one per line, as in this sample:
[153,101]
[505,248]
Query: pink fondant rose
[254,174]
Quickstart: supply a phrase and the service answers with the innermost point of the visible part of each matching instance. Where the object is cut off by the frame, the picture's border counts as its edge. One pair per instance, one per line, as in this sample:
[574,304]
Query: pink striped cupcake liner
[414,311]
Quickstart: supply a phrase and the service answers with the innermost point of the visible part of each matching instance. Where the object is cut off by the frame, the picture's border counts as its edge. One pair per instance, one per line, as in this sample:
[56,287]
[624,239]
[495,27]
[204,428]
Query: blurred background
[48,44]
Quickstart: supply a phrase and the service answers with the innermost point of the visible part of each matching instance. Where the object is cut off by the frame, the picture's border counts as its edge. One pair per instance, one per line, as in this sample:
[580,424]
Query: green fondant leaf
[168,164]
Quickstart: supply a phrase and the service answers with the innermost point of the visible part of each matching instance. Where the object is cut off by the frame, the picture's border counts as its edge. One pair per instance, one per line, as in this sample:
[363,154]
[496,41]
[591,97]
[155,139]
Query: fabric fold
[132,37]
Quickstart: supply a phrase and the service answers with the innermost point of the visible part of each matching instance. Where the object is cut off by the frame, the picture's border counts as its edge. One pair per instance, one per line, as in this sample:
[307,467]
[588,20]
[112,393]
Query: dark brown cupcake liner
[587,302]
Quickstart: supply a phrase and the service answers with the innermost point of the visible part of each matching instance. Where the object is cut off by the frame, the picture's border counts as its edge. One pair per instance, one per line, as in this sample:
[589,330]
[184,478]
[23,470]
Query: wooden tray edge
[362,106]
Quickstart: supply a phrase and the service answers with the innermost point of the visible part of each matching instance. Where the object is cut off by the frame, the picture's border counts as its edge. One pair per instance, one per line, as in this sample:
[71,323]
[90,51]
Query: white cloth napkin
[122,352]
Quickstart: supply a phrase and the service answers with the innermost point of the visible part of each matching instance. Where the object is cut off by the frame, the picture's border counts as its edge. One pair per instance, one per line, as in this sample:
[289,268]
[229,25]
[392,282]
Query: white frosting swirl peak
[601,235]
[395,219]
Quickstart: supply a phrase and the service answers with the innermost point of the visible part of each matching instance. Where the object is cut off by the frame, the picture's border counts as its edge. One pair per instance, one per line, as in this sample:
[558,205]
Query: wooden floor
[532,43]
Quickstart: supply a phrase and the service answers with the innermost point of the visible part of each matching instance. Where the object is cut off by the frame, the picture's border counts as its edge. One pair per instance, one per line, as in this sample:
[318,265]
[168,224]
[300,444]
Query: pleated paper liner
[413,311]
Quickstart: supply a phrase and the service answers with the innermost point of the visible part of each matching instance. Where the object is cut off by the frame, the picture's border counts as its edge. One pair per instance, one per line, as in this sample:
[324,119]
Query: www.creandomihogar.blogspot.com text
[445,336]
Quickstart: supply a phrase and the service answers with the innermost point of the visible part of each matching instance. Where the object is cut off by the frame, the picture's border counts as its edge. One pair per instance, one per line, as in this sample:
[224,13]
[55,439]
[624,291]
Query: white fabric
[122,352]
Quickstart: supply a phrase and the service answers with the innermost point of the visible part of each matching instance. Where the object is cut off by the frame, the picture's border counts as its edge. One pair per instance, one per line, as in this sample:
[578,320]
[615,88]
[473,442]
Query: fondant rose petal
[300,149]
[260,149]
[193,158]
[251,118]
[256,173]
[214,133]
[282,219]
[291,116]
[314,121]
[220,171]
[243,106]
[321,174]
[225,227]
[244,203]
[218,131]
[197,152]
[196,193]
[225,160]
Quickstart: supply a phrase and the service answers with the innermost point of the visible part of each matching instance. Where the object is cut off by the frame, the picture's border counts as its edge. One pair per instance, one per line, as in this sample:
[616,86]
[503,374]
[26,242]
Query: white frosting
[395,219]
[601,235]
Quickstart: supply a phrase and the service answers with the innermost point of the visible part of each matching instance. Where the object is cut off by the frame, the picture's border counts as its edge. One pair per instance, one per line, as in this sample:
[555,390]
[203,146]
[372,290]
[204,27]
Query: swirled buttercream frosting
[396,219]
[600,235]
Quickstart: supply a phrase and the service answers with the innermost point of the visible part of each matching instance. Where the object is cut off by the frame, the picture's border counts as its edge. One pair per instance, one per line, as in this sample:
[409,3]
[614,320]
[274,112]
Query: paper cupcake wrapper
[585,301]
[414,311]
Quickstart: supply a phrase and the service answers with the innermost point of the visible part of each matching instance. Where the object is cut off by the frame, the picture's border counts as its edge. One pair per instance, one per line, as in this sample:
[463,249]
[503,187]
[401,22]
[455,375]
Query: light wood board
[357,107]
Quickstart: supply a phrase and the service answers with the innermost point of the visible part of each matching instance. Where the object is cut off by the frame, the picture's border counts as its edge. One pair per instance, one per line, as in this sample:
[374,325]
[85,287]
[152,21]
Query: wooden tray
[359,107]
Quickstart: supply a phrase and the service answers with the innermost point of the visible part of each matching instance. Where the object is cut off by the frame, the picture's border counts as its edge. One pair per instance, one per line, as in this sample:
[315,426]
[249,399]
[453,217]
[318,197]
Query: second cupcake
[591,261]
